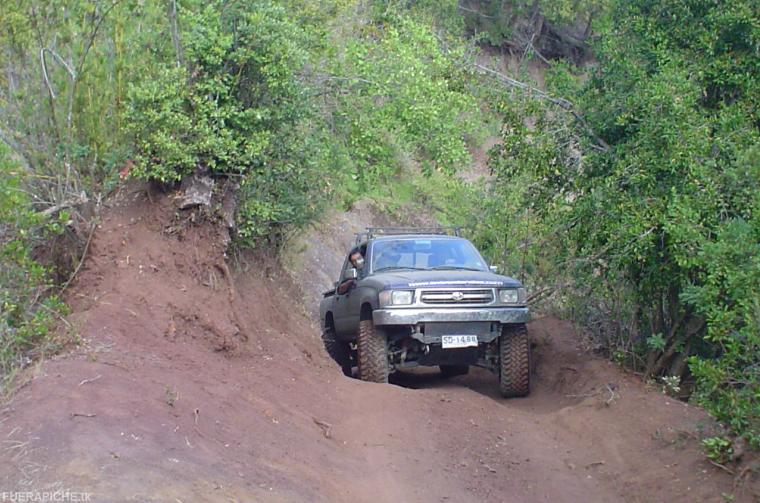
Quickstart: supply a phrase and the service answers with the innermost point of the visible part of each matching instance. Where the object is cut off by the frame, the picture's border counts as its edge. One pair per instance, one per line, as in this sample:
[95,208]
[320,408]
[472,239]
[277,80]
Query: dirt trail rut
[188,387]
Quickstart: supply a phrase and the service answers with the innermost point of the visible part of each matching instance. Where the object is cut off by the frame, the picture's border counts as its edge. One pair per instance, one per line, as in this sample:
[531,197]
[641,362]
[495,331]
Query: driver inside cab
[357,261]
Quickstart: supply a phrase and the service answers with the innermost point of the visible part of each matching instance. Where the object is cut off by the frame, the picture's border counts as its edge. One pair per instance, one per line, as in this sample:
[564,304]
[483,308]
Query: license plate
[459,341]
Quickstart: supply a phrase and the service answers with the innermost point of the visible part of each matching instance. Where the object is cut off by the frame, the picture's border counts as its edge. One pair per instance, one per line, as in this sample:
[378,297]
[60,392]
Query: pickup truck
[425,297]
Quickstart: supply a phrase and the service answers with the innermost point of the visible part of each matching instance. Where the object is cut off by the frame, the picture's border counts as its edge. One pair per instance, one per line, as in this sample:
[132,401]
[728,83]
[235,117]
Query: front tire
[372,353]
[514,364]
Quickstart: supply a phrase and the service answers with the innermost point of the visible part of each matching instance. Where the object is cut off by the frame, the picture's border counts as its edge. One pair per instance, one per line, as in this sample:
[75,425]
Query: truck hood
[443,279]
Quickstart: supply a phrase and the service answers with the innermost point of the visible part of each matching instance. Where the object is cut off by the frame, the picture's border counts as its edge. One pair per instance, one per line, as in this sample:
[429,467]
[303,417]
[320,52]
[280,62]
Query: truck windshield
[426,254]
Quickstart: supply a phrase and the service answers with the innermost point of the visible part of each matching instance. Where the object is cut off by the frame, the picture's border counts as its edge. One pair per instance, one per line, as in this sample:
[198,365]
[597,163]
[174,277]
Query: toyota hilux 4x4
[425,297]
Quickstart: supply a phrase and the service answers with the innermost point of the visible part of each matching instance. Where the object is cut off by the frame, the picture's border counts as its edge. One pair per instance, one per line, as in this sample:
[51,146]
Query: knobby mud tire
[338,350]
[454,370]
[514,365]
[372,353]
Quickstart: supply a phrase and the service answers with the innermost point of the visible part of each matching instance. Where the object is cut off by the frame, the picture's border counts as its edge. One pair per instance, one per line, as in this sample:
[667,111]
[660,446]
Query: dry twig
[90,380]
[81,260]
[722,467]
[612,397]
[326,427]
[600,144]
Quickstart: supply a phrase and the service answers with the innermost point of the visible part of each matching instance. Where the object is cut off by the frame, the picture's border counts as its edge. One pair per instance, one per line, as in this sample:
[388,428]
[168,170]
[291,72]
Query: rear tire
[454,370]
[514,365]
[338,350]
[372,353]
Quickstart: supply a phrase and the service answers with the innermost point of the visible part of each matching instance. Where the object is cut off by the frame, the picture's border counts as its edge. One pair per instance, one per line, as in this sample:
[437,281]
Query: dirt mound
[195,384]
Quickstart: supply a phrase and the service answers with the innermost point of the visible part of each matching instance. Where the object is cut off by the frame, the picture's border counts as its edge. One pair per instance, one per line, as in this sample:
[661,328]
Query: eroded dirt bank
[191,385]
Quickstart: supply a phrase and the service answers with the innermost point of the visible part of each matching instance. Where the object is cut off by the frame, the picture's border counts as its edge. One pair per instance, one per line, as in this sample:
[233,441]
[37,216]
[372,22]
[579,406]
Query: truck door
[347,309]
[340,305]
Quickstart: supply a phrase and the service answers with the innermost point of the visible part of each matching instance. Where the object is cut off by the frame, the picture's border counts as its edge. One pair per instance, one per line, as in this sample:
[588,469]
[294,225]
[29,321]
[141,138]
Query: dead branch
[473,11]
[326,427]
[90,380]
[81,260]
[566,105]
[175,34]
[745,473]
[232,294]
[45,74]
[722,467]
[612,397]
[584,395]
[80,199]
[546,292]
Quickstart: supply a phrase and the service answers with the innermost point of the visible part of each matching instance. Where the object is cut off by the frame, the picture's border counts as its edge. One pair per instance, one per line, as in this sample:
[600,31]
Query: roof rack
[372,232]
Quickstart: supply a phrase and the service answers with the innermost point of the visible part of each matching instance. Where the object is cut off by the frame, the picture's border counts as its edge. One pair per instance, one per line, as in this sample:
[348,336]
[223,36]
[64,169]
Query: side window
[363,251]
[348,265]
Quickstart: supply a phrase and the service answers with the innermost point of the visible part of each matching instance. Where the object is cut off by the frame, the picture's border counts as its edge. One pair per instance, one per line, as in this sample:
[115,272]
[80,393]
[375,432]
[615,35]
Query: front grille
[457,297]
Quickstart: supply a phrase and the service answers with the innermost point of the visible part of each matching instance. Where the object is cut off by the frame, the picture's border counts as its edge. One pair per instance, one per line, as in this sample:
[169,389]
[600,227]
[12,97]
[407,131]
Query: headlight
[396,297]
[512,296]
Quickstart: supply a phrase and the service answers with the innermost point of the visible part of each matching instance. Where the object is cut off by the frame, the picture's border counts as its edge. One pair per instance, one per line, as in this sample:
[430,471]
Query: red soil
[194,385]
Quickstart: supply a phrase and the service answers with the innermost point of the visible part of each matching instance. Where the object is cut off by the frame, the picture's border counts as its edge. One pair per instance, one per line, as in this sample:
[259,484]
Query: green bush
[728,296]
[650,205]
[252,104]
[28,311]
[407,97]
[239,109]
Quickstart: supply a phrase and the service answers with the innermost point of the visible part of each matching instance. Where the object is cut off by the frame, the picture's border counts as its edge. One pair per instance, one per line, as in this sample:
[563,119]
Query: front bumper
[413,316]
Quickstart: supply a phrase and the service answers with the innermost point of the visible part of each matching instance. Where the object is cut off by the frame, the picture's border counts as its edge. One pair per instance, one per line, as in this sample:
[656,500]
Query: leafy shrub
[238,109]
[407,94]
[718,449]
[654,214]
[162,126]
[245,106]
[728,373]
[27,310]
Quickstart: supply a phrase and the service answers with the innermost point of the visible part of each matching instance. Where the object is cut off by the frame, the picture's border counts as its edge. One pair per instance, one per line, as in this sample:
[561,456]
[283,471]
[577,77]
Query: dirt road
[191,385]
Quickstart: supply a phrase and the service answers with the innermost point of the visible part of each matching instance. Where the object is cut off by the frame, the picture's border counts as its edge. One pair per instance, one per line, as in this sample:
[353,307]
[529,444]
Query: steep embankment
[192,385]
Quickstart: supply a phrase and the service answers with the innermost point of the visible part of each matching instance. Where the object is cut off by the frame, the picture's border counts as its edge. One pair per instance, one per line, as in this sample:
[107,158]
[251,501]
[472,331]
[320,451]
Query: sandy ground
[192,383]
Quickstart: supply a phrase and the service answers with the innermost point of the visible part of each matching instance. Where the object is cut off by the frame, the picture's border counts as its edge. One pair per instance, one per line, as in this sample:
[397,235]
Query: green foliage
[685,137]
[239,109]
[63,92]
[162,128]
[27,311]
[407,99]
[498,22]
[521,209]
[718,449]
[393,95]
[728,296]
[658,210]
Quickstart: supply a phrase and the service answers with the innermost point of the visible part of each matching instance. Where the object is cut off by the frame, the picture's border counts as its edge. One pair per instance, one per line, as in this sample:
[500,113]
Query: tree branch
[473,11]
[175,33]
[600,145]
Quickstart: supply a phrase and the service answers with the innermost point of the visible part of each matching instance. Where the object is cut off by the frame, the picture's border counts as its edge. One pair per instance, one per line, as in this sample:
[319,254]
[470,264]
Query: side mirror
[494,269]
[351,274]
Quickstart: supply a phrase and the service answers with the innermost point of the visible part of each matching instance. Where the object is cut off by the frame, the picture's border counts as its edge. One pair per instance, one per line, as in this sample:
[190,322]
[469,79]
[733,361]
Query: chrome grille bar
[457,296]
